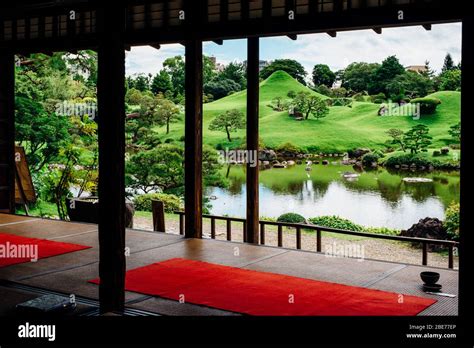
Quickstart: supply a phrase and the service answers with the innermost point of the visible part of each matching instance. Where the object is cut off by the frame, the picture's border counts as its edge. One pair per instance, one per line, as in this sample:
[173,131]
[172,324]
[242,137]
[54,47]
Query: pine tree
[448,63]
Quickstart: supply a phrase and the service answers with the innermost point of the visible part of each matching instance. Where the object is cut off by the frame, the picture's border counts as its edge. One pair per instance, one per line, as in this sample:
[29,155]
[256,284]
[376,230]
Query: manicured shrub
[451,222]
[370,158]
[427,105]
[378,98]
[342,101]
[289,148]
[292,218]
[359,97]
[336,222]
[171,202]
[420,160]
[444,150]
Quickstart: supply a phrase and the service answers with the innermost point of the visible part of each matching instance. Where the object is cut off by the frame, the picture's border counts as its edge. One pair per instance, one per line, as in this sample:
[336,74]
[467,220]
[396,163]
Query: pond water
[376,198]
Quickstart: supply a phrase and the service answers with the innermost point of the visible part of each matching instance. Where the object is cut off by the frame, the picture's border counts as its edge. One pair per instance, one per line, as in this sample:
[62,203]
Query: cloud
[412,45]
[146,59]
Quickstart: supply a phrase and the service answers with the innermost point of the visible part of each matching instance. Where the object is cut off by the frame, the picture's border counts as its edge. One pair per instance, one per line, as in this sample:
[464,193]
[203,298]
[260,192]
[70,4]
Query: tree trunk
[228,134]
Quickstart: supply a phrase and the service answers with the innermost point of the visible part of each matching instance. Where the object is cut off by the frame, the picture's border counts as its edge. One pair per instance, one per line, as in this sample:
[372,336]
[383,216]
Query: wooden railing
[425,242]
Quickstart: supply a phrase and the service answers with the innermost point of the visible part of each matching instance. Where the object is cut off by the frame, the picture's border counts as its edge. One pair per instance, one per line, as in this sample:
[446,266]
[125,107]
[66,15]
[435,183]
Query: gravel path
[332,244]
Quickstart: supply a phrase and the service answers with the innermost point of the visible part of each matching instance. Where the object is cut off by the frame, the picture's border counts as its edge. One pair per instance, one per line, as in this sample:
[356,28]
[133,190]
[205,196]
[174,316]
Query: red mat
[15,249]
[258,293]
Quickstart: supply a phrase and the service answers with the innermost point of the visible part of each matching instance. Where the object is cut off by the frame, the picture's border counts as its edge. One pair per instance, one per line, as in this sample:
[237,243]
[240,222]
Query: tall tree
[358,76]
[235,72]
[161,83]
[448,63]
[292,67]
[385,73]
[322,75]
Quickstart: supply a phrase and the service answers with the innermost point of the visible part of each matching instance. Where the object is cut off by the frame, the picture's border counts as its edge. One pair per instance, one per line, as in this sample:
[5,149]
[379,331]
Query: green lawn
[344,128]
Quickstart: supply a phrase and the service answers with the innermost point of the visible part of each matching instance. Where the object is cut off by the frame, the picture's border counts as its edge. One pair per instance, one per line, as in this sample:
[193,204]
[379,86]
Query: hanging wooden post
[193,140]
[7,132]
[252,230]
[158,209]
[111,103]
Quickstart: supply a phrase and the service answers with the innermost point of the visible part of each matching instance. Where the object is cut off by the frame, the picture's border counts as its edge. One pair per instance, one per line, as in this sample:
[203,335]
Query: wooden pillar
[193,139]
[111,118]
[7,132]
[253,57]
[465,238]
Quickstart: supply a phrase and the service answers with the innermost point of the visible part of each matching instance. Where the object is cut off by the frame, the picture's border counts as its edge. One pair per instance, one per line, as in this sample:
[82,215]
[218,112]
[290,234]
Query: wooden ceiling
[74,23]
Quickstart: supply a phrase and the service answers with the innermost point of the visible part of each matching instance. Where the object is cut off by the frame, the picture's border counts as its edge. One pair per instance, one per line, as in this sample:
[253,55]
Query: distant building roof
[417,68]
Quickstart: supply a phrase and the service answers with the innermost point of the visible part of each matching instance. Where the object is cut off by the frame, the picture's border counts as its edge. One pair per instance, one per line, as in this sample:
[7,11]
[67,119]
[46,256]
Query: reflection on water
[377,198]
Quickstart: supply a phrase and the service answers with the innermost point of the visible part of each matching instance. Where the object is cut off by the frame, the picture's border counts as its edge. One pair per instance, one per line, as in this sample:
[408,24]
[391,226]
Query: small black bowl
[429,278]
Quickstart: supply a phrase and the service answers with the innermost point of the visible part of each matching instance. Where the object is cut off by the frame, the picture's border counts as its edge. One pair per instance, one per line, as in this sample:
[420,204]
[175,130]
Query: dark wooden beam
[111,103]
[466,240]
[253,58]
[7,132]
[193,139]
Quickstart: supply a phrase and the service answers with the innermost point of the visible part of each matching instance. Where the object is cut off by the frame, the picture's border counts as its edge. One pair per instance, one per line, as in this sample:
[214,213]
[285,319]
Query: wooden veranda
[28,26]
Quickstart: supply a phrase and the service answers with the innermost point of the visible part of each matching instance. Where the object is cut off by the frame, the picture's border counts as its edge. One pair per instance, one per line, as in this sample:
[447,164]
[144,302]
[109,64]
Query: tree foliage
[322,75]
[310,105]
[292,67]
[228,122]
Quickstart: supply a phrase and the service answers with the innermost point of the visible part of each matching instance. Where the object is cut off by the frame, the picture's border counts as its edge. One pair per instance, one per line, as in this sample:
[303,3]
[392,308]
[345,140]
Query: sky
[412,45]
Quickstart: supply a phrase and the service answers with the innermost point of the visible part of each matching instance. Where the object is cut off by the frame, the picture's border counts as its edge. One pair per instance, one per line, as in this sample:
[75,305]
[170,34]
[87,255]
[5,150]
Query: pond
[375,198]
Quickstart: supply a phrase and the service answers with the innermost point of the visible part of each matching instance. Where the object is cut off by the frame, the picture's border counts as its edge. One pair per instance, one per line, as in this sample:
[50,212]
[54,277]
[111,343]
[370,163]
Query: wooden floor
[69,273]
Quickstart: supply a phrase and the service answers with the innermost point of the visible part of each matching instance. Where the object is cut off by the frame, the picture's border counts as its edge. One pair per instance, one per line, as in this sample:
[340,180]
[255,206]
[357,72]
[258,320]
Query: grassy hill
[344,128]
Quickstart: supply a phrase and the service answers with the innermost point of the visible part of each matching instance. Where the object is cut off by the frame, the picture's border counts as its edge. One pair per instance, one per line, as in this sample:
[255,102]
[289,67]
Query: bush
[436,153]
[341,102]
[359,97]
[451,222]
[336,222]
[378,98]
[370,158]
[172,203]
[445,150]
[427,105]
[408,159]
[292,218]
[289,148]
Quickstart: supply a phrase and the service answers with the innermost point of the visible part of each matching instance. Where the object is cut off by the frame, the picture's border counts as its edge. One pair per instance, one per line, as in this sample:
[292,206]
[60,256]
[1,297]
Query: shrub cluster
[172,203]
[427,105]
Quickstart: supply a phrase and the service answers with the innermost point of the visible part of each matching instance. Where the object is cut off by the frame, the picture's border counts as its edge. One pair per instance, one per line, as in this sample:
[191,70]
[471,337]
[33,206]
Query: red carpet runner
[259,293]
[15,249]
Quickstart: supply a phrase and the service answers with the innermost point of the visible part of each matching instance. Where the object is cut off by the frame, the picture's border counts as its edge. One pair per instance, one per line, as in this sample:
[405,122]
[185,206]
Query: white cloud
[146,59]
[412,45]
